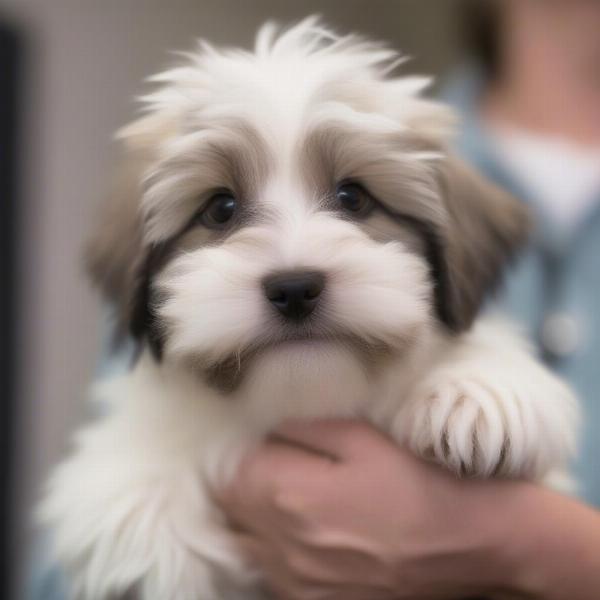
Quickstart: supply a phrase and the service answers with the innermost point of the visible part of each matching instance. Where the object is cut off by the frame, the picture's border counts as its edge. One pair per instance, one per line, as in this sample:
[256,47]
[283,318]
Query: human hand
[334,510]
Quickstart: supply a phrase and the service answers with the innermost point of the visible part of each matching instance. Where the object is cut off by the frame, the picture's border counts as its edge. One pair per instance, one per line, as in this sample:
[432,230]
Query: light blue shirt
[558,275]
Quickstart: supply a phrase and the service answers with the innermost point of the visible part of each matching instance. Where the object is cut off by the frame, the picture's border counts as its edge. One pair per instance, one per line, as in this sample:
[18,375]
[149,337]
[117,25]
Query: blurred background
[69,72]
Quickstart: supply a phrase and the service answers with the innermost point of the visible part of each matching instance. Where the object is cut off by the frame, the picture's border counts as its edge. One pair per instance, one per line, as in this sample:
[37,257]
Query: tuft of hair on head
[335,56]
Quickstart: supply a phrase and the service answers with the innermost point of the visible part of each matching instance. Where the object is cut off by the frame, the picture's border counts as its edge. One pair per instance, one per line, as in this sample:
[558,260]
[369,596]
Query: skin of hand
[334,510]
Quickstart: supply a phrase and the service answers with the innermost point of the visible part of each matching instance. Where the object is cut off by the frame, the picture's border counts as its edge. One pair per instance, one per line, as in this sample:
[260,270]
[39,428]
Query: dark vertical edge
[10,87]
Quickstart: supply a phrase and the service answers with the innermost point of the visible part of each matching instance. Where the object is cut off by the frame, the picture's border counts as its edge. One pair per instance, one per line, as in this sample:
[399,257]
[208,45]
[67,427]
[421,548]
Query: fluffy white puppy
[290,239]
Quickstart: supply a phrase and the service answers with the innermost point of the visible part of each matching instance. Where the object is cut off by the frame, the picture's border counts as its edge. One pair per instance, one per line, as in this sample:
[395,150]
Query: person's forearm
[525,542]
[556,546]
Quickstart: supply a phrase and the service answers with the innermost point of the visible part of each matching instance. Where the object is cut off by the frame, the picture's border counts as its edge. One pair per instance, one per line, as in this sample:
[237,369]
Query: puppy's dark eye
[353,198]
[219,210]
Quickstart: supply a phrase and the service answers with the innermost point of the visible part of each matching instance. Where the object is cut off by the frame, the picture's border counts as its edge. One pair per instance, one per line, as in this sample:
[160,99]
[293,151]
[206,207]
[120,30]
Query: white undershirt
[563,179]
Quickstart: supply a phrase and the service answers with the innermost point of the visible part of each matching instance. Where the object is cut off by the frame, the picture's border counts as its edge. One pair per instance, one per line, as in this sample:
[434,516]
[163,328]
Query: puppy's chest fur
[172,407]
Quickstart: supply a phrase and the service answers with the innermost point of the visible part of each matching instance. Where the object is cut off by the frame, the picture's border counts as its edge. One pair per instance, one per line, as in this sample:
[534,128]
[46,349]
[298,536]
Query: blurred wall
[86,60]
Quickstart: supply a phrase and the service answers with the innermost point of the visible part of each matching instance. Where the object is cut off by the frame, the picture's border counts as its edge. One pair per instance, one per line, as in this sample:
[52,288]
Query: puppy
[290,238]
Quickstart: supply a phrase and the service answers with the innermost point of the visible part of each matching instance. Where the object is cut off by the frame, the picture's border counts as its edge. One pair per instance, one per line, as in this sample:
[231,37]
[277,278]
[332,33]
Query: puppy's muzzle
[295,294]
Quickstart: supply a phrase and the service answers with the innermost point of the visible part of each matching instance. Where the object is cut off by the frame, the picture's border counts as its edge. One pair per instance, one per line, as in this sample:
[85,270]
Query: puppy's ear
[485,229]
[116,258]
[114,255]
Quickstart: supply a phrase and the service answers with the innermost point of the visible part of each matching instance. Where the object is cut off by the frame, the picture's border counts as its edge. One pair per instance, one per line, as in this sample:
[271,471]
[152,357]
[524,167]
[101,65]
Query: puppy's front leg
[130,522]
[487,407]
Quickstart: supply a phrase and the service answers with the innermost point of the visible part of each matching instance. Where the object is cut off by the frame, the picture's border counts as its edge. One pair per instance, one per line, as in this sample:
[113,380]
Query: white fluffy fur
[131,507]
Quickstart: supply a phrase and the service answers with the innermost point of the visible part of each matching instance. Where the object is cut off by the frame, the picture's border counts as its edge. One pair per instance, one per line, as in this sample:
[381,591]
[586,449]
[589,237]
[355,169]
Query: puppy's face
[293,211]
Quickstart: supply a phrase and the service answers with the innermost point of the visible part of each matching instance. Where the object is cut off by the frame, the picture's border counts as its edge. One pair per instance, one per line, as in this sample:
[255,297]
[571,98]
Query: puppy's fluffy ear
[115,257]
[486,227]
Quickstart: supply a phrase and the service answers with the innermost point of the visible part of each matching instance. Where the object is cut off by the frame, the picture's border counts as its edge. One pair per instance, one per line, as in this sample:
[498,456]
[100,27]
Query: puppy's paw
[488,407]
[465,425]
[473,427]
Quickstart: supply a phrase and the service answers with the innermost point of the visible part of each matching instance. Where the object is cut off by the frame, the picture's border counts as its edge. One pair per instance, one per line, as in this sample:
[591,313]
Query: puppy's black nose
[295,293]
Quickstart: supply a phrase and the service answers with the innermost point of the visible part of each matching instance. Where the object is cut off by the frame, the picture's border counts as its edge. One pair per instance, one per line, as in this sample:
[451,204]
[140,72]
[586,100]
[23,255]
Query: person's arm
[556,543]
[338,511]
